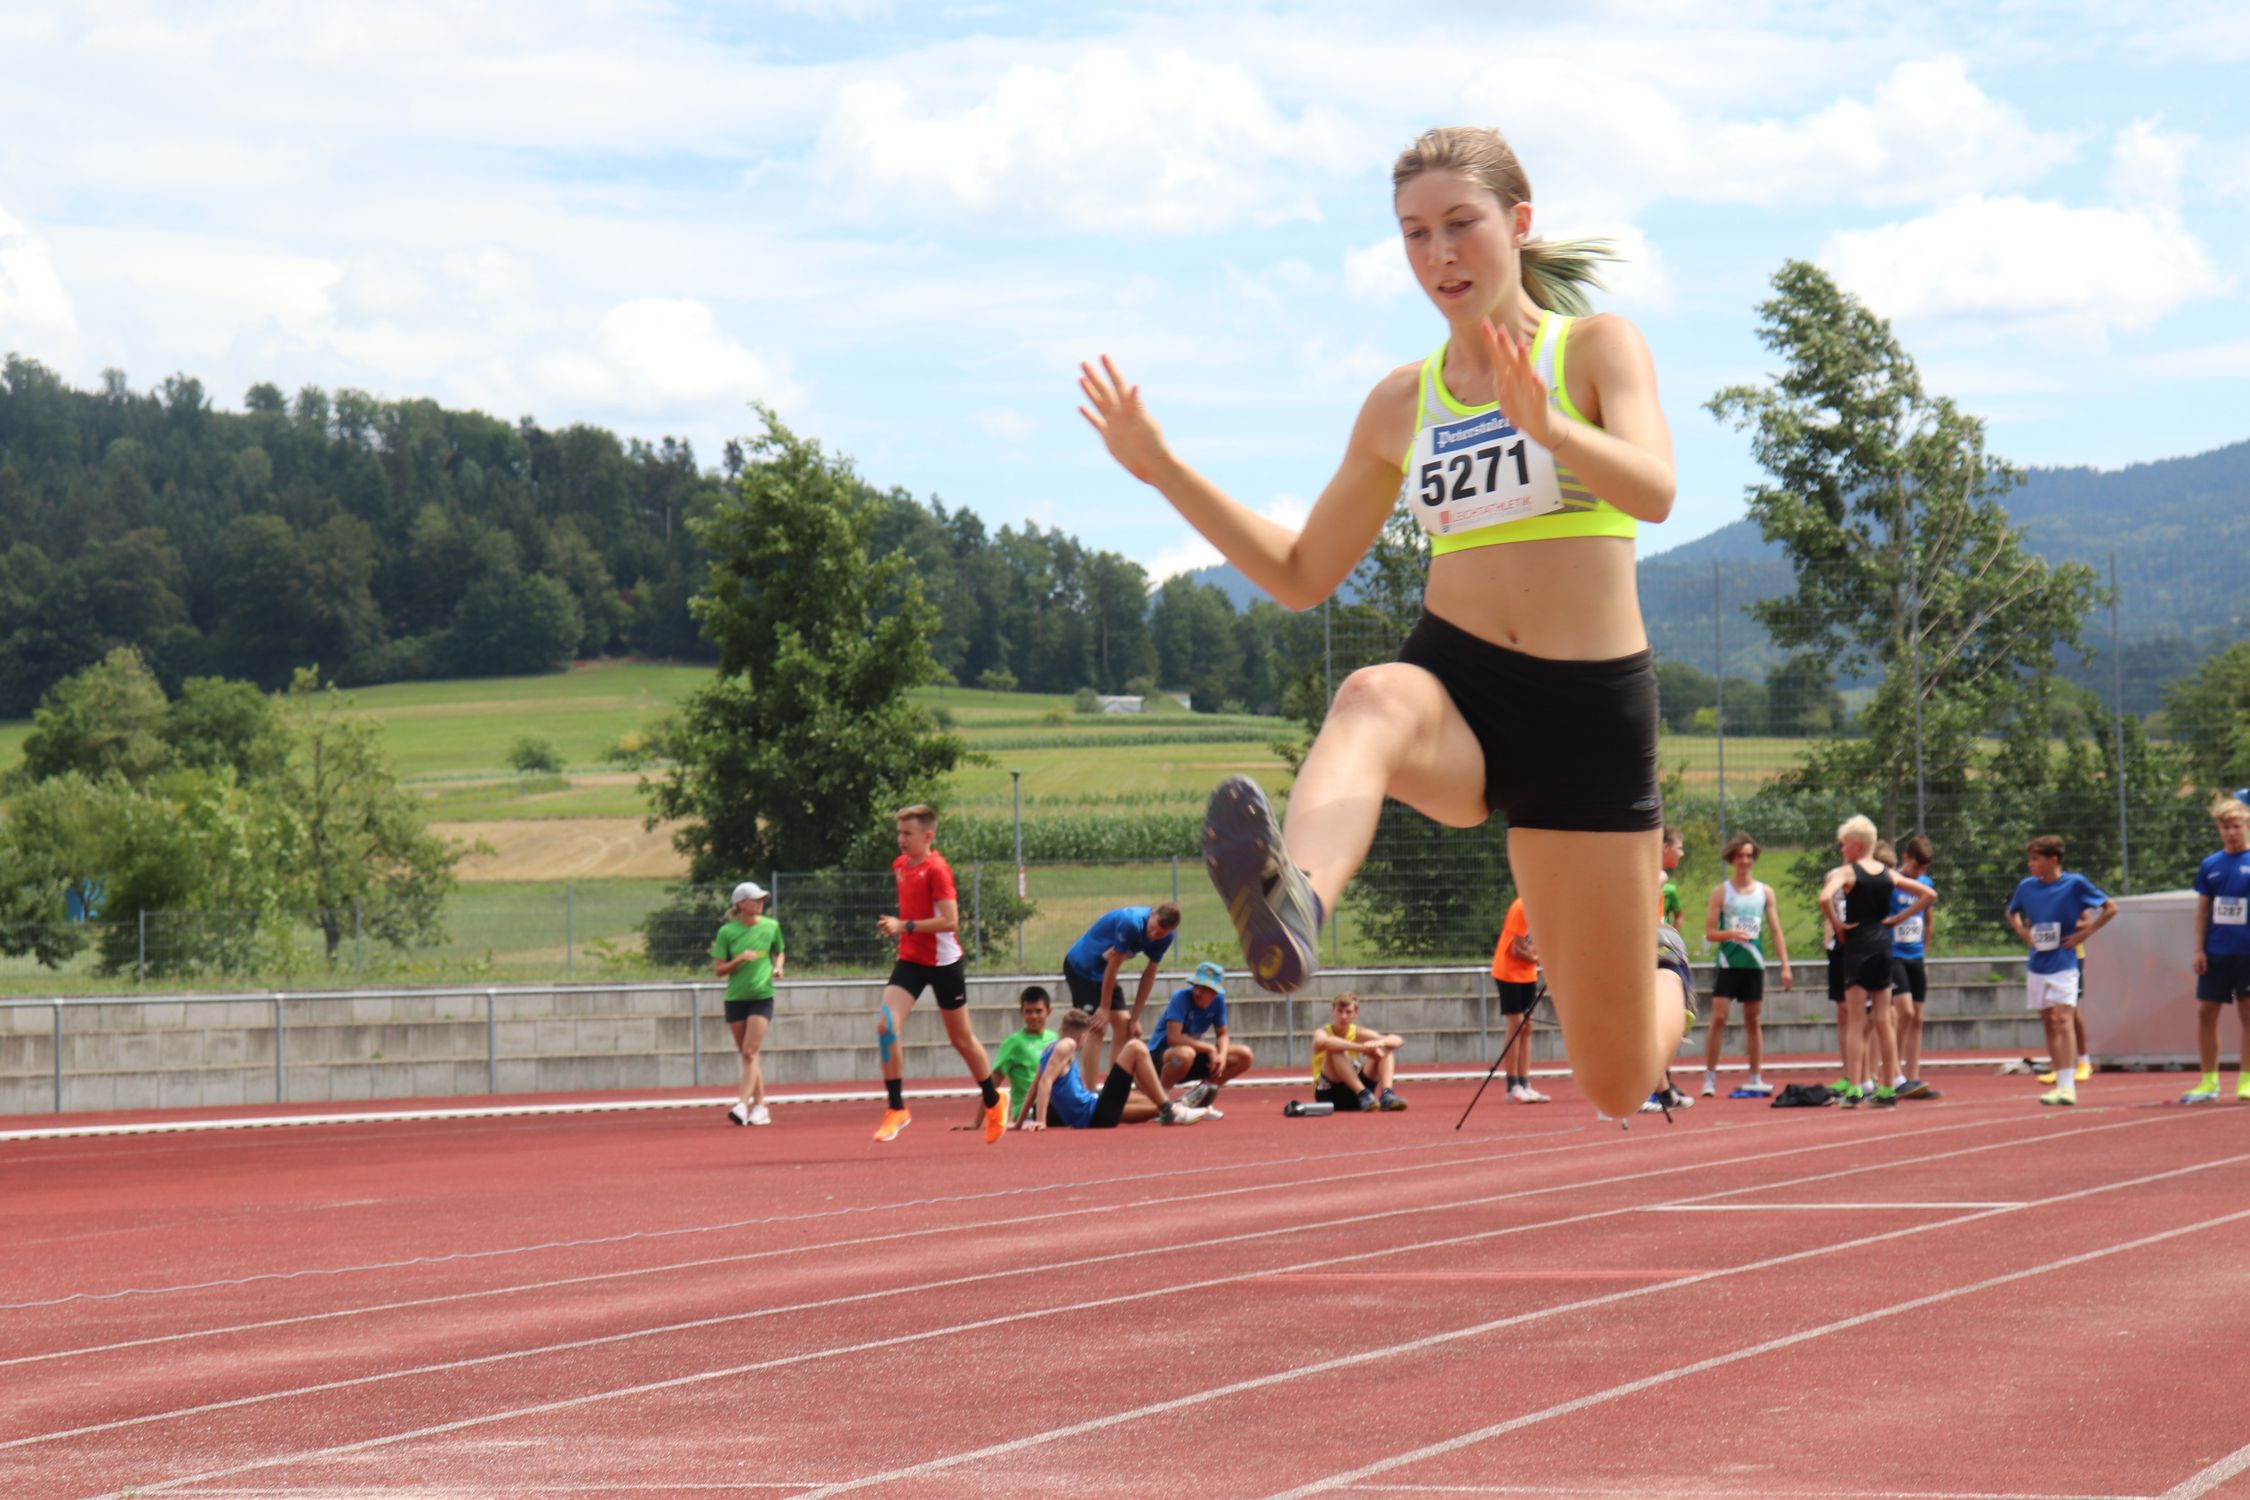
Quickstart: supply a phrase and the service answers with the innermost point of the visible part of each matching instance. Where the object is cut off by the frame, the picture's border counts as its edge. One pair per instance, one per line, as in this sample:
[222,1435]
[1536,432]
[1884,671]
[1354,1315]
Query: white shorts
[2042,990]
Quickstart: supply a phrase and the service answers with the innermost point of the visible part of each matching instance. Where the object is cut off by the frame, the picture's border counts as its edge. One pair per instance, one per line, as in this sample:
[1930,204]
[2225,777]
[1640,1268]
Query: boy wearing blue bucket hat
[1190,1039]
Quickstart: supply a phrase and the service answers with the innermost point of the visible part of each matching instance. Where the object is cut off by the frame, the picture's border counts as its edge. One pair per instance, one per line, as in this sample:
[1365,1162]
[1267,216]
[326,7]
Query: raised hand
[1116,412]
[1521,393]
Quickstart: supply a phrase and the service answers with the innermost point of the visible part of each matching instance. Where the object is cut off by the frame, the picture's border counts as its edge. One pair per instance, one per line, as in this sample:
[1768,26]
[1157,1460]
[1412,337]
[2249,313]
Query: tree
[105,721]
[793,756]
[1889,507]
[533,756]
[215,722]
[363,843]
[2208,712]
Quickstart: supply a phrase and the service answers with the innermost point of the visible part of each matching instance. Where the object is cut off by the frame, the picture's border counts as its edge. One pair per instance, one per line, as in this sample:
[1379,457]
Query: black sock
[991,1094]
[897,1092]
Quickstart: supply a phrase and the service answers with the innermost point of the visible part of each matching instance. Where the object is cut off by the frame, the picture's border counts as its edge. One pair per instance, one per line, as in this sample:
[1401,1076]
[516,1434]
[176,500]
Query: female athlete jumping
[1532,445]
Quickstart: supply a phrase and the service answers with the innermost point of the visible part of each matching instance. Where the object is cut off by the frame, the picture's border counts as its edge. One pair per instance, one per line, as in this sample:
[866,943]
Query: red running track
[1968,1298]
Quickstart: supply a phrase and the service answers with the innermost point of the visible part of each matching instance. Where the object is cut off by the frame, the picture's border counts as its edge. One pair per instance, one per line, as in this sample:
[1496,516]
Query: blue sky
[901,225]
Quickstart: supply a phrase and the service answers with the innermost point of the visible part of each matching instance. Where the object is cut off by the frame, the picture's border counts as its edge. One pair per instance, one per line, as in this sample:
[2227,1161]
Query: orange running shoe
[996,1117]
[894,1121]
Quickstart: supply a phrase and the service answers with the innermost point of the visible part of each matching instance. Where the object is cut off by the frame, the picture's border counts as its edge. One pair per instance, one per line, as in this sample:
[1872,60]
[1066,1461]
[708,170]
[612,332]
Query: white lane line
[1007,1319]
[1045,1267]
[1437,1340]
[1817,1208]
[2205,1482]
[732,1225]
[1720,1361]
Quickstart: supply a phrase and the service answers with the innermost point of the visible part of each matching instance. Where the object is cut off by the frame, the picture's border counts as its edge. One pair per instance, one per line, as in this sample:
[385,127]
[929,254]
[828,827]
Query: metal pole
[976,901]
[357,929]
[280,1088]
[570,926]
[1015,782]
[140,964]
[1914,654]
[695,1033]
[1484,1035]
[491,1045]
[58,1056]
[1175,880]
[1719,686]
[2117,685]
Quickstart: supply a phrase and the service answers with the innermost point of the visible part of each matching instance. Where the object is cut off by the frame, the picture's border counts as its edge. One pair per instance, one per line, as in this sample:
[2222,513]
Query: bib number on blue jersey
[2231,911]
[1909,931]
[2046,937]
[1480,472]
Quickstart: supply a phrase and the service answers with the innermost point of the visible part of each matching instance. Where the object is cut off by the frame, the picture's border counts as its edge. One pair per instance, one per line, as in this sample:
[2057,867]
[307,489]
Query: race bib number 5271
[1479,472]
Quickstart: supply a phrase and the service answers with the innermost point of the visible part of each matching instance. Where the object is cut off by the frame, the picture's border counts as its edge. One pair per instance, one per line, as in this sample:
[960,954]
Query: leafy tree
[511,622]
[215,722]
[363,840]
[534,756]
[2208,711]
[105,721]
[793,756]
[1889,507]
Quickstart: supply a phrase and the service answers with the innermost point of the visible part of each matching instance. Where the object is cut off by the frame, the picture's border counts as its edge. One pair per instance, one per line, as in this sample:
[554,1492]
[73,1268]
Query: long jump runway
[1961,1300]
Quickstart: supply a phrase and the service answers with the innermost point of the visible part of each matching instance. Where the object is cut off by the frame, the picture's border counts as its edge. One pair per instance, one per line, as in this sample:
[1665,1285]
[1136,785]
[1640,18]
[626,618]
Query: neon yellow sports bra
[1472,480]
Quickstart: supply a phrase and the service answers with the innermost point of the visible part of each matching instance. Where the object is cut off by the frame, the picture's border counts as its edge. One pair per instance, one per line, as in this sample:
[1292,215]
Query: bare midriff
[1567,598]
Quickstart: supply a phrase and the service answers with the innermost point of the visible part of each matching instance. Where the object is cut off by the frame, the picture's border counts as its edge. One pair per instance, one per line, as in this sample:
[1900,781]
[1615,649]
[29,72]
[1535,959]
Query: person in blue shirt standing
[1090,971]
[1190,1039]
[1910,974]
[2222,948]
[2052,913]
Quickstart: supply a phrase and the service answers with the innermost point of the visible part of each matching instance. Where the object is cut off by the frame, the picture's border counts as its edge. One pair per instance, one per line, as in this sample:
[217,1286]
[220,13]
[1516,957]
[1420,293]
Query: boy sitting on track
[1191,1038]
[1352,1068]
[1017,1061]
[1060,1096]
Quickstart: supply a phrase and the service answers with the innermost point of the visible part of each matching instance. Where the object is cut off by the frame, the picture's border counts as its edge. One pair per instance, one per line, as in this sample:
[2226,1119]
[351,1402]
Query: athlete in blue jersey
[1910,974]
[2054,911]
[1062,1097]
[1091,966]
[2222,949]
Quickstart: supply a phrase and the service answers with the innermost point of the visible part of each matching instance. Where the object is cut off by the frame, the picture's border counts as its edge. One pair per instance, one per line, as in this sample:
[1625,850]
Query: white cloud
[673,349]
[34,309]
[1112,140]
[2146,166]
[1988,265]
[1004,423]
[1378,272]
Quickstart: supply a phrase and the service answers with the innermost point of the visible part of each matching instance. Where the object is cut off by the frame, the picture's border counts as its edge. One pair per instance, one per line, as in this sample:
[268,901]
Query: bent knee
[1398,695]
[1239,1056]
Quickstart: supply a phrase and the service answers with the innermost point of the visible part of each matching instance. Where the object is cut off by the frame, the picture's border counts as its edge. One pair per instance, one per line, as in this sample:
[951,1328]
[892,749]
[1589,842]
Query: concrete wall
[165,1053]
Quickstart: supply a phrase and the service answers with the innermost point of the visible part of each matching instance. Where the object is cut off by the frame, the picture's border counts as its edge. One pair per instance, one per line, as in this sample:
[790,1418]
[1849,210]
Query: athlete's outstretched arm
[1299,568]
[1627,460]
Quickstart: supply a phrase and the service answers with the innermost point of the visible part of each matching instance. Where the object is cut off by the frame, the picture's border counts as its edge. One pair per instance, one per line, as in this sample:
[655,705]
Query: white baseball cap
[749,890]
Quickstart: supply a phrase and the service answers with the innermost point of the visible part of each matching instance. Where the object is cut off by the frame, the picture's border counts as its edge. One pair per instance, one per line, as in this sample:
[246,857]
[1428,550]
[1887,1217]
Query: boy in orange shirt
[1515,971]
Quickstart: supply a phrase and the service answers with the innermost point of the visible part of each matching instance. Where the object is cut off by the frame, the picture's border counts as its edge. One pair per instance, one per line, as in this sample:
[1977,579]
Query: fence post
[280,1087]
[2117,683]
[976,902]
[1175,880]
[1484,1030]
[1914,654]
[491,1044]
[1719,688]
[695,1034]
[58,1054]
[140,964]
[570,927]
[358,927]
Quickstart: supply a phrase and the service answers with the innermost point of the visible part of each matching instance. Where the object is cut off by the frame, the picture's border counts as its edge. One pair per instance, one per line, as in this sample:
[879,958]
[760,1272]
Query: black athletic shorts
[1568,745]
[743,1010]
[949,982]
[1837,966]
[1517,996]
[2225,978]
[1110,1107]
[1200,1068]
[1745,985]
[1910,977]
[1869,968]
[1086,994]
[1345,1099]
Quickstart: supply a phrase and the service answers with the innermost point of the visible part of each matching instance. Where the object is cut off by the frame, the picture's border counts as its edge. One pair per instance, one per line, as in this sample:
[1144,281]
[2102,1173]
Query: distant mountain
[2180,529]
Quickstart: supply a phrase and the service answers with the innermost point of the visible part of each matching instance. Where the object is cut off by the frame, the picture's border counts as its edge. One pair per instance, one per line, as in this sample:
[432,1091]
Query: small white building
[1119,703]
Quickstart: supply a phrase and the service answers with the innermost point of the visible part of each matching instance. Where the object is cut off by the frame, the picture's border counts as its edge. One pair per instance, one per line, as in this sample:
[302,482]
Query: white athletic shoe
[1710,1085]
[758,1116]
[1530,1095]
[1177,1113]
[739,1115]
[1213,1112]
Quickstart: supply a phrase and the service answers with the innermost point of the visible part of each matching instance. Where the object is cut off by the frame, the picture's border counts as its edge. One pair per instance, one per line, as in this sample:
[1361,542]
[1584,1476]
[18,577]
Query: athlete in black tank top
[1866,906]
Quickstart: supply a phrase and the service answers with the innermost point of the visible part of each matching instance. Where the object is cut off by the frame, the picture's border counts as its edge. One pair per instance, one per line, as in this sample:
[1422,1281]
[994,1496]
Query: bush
[1086,701]
[1055,716]
[534,756]
[997,680]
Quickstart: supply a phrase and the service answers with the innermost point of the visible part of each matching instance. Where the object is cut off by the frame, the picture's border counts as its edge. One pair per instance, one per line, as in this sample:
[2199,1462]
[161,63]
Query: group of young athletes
[1529,446]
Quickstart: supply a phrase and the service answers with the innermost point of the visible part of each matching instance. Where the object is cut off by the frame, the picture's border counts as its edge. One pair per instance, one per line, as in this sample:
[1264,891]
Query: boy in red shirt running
[929,954]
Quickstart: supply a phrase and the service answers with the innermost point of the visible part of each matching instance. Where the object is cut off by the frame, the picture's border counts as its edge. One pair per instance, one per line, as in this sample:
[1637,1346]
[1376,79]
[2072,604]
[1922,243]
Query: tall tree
[1889,506]
[792,757]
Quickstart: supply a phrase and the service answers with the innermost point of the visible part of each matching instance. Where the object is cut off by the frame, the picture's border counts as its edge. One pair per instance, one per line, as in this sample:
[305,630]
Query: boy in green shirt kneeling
[1017,1061]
